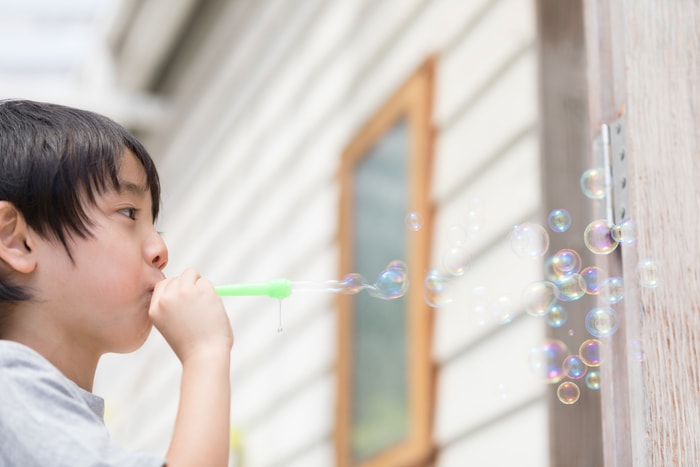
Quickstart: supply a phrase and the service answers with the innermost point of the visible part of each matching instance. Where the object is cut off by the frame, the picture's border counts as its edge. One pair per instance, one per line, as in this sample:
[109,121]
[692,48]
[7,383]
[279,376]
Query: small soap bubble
[570,332]
[625,232]
[538,298]
[572,288]
[568,392]
[574,367]
[612,290]
[502,391]
[647,274]
[593,277]
[456,235]
[598,238]
[455,260]
[566,262]
[435,289]
[559,220]
[556,316]
[589,351]
[593,379]
[546,360]
[414,221]
[479,304]
[502,310]
[529,240]
[473,222]
[602,322]
[636,351]
[593,183]
[351,284]
[391,283]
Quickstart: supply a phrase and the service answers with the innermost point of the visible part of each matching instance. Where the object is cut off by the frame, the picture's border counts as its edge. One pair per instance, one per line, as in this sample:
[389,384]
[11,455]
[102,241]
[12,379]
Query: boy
[81,275]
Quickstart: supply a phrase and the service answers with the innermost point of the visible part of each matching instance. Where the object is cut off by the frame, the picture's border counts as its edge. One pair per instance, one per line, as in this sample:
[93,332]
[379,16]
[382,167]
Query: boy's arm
[192,318]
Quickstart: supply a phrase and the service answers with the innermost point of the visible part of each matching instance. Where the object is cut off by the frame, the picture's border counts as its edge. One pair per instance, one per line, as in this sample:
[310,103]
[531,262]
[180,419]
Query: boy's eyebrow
[131,187]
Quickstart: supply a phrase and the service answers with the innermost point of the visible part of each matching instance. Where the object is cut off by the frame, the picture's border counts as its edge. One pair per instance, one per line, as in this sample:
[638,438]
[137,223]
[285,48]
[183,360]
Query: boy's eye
[129,212]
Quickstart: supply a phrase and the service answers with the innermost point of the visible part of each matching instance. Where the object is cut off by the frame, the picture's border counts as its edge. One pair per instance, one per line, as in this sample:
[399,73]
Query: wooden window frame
[412,102]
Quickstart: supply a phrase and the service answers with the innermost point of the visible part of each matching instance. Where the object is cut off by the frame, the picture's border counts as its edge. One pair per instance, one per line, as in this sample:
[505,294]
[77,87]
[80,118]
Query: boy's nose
[158,252]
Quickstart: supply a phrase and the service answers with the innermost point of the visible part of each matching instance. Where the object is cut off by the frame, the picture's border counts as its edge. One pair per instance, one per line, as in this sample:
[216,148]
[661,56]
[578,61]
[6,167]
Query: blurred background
[312,139]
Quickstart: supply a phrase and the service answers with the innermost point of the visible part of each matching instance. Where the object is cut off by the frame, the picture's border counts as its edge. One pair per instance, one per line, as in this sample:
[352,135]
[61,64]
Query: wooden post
[644,64]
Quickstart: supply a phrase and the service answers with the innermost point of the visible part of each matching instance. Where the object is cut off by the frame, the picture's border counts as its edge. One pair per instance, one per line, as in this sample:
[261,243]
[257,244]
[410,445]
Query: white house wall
[249,171]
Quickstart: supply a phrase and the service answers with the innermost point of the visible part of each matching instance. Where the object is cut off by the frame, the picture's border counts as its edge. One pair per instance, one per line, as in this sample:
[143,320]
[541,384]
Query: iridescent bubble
[593,183]
[502,310]
[598,238]
[566,262]
[647,273]
[391,283]
[602,322]
[589,351]
[551,272]
[572,288]
[435,289]
[479,305]
[593,380]
[625,232]
[351,284]
[593,277]
[574,367]
[612,290]
[414,221]
[455,260]
[539,297]
[473,221]
[636,351]
[456,235]
[556,316]
[529,240]
[546,360]
[559,220]
[568,392]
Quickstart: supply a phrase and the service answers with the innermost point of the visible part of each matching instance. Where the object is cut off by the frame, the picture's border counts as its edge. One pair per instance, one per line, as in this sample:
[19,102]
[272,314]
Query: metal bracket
[615,163]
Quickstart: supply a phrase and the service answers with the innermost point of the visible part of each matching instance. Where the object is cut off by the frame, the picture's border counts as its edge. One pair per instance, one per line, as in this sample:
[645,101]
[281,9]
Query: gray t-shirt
[47,420]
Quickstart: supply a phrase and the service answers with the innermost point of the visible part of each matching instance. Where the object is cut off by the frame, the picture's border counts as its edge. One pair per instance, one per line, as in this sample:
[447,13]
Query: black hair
[53,160]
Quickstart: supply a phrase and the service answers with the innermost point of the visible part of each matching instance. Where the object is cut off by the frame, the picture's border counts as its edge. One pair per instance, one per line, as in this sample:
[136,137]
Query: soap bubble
[593,380]
[546,360]
[593,277]
[568,392]
[624,232]
[502,310]
[529,240]
[572,288]
[566,262]
[435,289]
[473,221]
[391,283]
[556,316]
[636,351]
[612,290]
[414,221]
[574,367]
[589,351]
[598,237]
[559,220]
[593,183]
[539,297]
[455,260]
[602,322]
[351,284]
[647,273]
[456,235]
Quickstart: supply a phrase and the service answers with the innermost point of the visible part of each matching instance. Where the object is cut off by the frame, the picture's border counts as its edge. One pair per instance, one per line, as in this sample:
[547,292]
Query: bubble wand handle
[277,288]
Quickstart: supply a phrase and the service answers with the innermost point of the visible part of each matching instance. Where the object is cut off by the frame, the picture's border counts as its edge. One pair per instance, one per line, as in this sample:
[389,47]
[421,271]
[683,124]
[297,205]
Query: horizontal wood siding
[249,167]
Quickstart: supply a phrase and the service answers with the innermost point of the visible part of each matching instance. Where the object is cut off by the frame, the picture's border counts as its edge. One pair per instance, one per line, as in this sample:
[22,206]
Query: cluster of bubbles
[391,283]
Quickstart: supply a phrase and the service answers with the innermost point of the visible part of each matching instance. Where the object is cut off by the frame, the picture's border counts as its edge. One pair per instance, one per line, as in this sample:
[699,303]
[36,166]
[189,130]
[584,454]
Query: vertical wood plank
[574,430]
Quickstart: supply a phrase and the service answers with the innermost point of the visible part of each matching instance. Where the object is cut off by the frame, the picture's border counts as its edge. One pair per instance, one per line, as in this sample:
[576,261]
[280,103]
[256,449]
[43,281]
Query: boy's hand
[191,316]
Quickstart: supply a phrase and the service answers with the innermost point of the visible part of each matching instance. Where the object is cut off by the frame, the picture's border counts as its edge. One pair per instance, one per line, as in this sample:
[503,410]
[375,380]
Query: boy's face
[101,300]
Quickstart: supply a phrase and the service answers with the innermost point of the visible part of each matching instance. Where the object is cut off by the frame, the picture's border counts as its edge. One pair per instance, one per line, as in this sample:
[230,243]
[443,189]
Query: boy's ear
[15,239]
